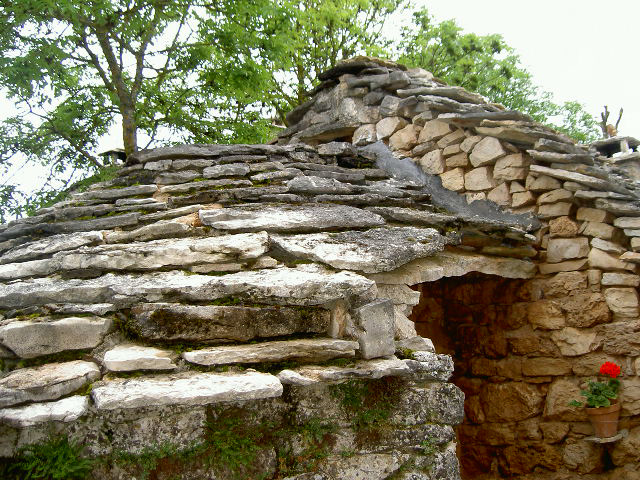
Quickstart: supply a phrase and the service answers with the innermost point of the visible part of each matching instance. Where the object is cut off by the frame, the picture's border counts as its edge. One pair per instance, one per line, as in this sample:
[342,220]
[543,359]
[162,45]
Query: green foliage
[369,403]
[599,394]
[55,459]
[146,461]
[487,65]
[232,443]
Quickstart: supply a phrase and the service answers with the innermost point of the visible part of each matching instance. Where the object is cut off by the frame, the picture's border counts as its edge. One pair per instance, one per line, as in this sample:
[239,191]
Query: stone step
[292,286]
[66,410]
[304,350]
[48,382]
[218,323]
[185,389]
[44,336]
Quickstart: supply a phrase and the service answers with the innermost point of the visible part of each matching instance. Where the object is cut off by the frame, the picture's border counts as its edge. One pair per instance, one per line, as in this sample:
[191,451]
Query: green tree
[487,65]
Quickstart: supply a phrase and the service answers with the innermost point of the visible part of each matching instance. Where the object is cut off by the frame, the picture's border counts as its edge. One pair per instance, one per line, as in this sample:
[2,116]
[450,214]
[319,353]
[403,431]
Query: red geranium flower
[610,369]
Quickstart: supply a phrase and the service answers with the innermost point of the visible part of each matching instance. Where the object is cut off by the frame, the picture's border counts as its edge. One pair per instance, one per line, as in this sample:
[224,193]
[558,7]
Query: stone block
[620,279]
[459,160]
[621,338]
[553,196]
[627,222]
[452,138]
[33,338]
[544,366]
[451,150]
[568,266]
[622,301]
[510,401]
[598,230]
[573,342]
[388,126]
[541,183]
[516,187]
[585,309]
[500,195]
[129,358]
[479,179]
[554,210]
[556,407]
[66,410]
[606,261]
[511,167]
[546,314]
[607,246]
[470,142]
[522,199]
[475,196]
[405,139]
[453,179]
[561,249]
[433,162]
[486,152]
[376,321]
[563,227]
[434,130]
[586,214]
[583,456]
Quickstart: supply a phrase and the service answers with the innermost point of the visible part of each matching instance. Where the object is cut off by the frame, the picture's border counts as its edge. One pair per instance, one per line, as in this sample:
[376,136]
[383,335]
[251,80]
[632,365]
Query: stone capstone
[33,338]
[303,350]
[48,382]
[184,389]
[289,218]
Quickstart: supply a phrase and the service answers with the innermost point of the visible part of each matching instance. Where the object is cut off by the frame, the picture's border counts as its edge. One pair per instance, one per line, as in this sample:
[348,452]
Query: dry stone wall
[579,309]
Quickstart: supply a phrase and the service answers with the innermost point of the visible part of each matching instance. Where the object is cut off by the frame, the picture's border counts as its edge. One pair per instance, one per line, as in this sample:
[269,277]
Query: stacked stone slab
[239,282]
[582,306]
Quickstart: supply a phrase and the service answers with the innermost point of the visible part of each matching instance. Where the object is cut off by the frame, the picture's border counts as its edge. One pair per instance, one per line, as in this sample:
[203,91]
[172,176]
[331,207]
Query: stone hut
[410,284]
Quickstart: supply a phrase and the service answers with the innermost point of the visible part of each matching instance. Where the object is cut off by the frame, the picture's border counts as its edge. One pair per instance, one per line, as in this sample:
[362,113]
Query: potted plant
[603,407]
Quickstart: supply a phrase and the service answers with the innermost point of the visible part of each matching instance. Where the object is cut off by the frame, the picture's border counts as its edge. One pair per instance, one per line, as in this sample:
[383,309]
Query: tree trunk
[129,129]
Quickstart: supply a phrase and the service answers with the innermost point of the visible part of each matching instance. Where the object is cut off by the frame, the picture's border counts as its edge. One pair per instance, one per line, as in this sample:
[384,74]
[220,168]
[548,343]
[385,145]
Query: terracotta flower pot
[605,419]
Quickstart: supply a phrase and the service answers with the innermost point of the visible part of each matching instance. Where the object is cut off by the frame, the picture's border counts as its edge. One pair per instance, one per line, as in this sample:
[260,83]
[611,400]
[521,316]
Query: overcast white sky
[583,50]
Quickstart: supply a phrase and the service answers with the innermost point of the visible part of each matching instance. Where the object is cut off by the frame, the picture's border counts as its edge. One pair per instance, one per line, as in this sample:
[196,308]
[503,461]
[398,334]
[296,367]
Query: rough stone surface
[127,358]
[33,338]
[184,389]
[376,320]
[512,401]
[48,382]
[369,369]
[284,218]
[480,178]
[573,342]
[66,410]
[560,249]
[306,350]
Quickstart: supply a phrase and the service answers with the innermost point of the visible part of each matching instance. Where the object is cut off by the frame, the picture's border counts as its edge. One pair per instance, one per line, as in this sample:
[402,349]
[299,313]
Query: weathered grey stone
[620,222]
[598,230]
[412,216]
[511,167]
[192,163]
[455,93]
[364,135]
[551,210]
[33,268]
[560,249]
[33,338]
[431,366]
[500,195]
[376,321]
[607,246]
[303,350]
[389,106]
[170,178]
[317,185]
[376,250]
[297,286]
[486,152]
[527,133]
[373,369]
[228,170]
[450,139]
[590,181]
[185,389]
[50,245]
[155,231]
[459,160]
[105,223]
[434,130]
[128,358]
[417,344]
[336,148]
[287,218]
[157,254]
[204,185]
[541,183]
[66,410]
[200,151]
[114,193]
[554,196]
[546,145]
[48,382]
[215,324]
[565,158]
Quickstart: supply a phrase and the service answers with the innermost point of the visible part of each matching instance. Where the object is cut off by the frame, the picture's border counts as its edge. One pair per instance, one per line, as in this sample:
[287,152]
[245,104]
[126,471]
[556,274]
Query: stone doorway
[469,318]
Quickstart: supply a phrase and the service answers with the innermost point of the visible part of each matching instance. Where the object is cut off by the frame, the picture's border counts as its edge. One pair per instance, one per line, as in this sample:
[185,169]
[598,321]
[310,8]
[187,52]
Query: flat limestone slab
[309,349]
[48,382]
[185,389]
[297,286]
[32,338]
[128,358]
[372,369]
[66,410]
[373,251]
[289,218]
